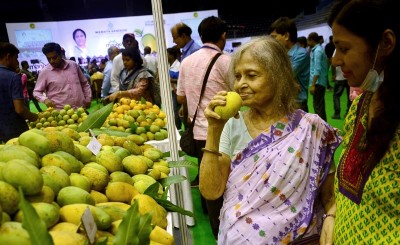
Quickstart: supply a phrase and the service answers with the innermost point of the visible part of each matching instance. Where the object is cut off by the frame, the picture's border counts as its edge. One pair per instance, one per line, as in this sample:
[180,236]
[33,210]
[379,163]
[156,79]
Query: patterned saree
[271,193]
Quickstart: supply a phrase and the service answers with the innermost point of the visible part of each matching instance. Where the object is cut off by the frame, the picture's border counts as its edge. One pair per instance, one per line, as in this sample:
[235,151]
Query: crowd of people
[266,175]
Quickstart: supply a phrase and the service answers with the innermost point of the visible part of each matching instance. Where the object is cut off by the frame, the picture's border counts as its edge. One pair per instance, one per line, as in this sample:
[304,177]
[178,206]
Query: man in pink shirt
[62,81]
[212,31]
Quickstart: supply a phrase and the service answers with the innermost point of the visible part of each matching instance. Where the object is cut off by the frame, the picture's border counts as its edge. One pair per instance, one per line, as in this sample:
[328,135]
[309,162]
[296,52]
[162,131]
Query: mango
[13,233]
[97,177]
[72,195]
[7,154]
[49,213]
[161,236]
[5,217]
[122,153]
[120,192]
[80,181]
[86,154]
[35,141]
[73,134]
[232,106]
[77,152]
[120,176]
[13,141]
[121,205]
[55,177]
[76,165]
[134,165]
[132,147]
[147,204]
[64,226]
[72,213]
[115,212]
[97,166]
[66,237]
[84,140]
[53,159]
[139,140]
[111,161]
[154,173]
[2,164]
[148,161]
[98,197]
[28,151]
[46,195]
[15,172]
[153,154]
[163,169]
[9,198]
[59,141]
[114,226]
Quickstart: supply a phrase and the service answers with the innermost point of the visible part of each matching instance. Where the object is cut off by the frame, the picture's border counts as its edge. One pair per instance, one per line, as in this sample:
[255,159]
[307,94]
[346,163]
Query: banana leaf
[96,119]
[31,222]
[135,228]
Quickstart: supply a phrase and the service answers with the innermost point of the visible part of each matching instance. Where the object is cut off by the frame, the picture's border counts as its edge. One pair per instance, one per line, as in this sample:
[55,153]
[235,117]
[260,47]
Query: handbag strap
[214,59]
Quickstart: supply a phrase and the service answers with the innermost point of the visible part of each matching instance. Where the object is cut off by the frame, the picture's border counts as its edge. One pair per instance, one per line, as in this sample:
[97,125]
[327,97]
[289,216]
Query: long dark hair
[368,19]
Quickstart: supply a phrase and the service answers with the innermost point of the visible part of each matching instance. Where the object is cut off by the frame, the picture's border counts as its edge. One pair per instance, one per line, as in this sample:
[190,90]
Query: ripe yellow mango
[72,213]
[147,204]
[120,192]
[161,236]
[66,237]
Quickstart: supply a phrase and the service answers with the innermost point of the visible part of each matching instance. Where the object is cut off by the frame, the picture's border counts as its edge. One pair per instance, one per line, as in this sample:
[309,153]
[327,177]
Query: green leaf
[131,226]
[169,206]
[110,132]
[145,228]
[172,180]
[182,163]
[142,101]
[152,190]
[31,222]
[96,119]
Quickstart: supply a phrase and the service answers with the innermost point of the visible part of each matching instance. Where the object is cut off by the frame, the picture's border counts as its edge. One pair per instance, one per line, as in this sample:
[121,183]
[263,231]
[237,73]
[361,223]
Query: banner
[90,39]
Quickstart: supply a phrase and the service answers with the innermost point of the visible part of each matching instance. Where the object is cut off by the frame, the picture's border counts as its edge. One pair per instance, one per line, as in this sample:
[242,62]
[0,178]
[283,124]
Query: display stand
[163,145]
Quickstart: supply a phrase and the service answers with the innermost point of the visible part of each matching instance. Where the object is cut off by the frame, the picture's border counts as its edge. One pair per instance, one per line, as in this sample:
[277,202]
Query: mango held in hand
[232,106]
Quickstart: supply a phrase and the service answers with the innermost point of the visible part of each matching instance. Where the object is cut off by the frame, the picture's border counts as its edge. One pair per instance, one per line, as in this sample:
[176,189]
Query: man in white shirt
[151,60]
[128,40]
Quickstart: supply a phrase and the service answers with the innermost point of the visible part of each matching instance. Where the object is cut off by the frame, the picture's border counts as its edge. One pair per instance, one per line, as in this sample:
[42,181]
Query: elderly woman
[270,161]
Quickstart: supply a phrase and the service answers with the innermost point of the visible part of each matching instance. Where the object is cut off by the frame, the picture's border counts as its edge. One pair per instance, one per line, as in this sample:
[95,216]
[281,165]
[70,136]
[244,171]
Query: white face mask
[372,81]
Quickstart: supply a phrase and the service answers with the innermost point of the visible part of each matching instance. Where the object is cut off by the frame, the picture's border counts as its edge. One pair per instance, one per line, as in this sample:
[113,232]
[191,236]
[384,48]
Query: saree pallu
[271,190]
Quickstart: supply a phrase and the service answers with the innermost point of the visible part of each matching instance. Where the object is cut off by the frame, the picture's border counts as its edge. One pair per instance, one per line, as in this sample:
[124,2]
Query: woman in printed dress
[271,161]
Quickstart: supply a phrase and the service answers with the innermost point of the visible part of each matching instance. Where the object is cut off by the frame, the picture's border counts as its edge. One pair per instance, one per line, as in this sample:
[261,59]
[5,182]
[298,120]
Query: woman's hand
[213,118]
[327,231]
[112,97]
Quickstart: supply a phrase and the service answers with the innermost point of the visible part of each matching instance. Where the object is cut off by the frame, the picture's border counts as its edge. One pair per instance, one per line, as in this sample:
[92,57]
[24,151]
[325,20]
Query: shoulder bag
[186,142]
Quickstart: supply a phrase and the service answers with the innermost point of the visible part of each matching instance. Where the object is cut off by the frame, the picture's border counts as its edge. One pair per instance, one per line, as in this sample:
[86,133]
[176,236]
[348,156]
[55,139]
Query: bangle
[211,151]
[328,215]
